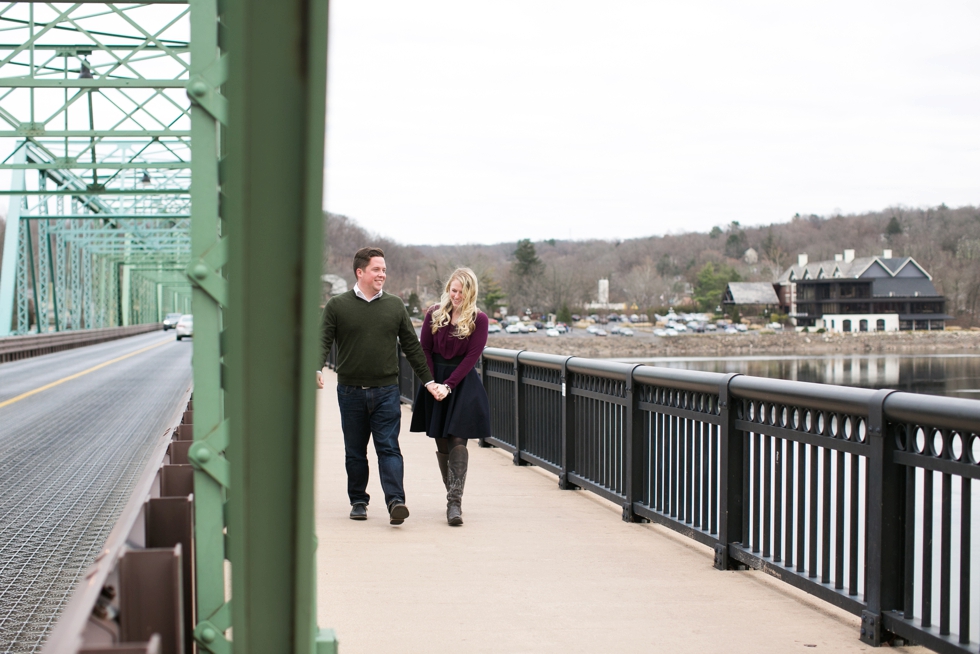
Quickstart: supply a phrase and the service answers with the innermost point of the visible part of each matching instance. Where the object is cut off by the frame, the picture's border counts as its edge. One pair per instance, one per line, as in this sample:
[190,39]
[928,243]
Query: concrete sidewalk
[534,569]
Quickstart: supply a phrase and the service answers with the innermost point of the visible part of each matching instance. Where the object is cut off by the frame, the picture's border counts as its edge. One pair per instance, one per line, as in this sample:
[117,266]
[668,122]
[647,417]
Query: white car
[553,332]
[671,332]
[660,332]
[494,329]
[625,331]
[513,329]
[532,328]
[185,326]
[601,332]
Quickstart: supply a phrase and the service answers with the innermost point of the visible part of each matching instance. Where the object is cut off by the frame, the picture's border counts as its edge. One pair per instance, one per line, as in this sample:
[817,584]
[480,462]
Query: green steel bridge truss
[168,156]
[95,134]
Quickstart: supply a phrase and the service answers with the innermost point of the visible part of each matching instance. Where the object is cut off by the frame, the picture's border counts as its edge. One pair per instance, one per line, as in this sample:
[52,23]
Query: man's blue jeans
[367,411]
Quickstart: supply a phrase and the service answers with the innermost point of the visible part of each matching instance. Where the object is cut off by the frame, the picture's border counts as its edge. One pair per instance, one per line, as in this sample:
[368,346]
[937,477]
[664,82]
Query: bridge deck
[534,569]
[70,454]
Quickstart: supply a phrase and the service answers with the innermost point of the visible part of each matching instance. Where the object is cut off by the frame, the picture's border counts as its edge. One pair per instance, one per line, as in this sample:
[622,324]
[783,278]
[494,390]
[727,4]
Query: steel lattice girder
[97,120]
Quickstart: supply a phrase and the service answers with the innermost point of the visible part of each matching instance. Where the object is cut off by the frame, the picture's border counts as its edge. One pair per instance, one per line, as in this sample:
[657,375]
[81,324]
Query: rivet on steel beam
[198,89]
[202,453]
[200,271]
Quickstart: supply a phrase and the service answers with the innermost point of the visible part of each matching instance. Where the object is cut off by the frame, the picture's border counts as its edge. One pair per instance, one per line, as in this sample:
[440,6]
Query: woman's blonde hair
[442,314]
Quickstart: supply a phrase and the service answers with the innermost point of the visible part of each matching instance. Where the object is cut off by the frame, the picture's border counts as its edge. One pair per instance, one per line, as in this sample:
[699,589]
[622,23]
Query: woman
[454,408]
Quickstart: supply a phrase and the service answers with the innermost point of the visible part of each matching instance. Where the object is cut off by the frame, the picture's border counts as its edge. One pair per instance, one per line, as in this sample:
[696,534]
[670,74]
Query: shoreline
[754,344]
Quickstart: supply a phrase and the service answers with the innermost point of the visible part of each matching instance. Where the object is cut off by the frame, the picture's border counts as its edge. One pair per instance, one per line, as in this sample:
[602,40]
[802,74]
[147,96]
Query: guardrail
[13,348]
[139,594]
[831,489]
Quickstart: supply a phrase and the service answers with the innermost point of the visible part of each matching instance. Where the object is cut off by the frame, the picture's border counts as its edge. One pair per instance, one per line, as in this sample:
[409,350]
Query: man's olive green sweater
[366,334]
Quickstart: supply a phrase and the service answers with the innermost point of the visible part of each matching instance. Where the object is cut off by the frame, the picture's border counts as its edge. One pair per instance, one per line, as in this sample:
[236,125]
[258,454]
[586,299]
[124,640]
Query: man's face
[372,276]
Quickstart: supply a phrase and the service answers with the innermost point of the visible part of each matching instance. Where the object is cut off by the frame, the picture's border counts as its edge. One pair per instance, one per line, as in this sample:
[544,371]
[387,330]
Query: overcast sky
[465,121]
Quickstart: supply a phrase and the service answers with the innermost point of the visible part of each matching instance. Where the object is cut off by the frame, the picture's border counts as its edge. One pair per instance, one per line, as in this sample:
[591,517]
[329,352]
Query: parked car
[513,329]
[625,331]
[170,321]
[562,328]
[540,325]
[531,328]
[494,328]
[185,326]
[660,332]
[592,329]
[553,332]
[601,332]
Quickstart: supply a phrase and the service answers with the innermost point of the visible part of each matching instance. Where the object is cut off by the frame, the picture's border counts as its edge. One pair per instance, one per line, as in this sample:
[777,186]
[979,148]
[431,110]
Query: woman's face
[456,293]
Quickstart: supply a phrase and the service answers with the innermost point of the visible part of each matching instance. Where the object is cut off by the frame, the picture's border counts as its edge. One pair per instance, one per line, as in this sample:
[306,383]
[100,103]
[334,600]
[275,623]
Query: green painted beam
[273,210]
[96,83]
[105,165]
[104,191]
[110,216]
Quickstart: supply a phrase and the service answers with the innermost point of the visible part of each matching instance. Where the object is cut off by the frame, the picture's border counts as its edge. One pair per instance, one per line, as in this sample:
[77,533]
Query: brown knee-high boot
[444,468]
[458,461]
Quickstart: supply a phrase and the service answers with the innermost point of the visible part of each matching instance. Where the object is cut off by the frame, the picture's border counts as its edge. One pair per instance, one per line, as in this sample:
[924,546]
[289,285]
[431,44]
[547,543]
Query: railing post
[567,429]
[731,471]
[518,409]
[632,463]
[886,525]
[483,378]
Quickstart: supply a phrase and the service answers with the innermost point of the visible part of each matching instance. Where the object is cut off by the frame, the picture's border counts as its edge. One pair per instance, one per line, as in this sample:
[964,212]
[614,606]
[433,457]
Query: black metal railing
[831,489]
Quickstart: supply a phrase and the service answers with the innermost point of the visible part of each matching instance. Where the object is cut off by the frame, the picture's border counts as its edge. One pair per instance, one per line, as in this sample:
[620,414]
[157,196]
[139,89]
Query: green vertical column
[276,93]
[209,297]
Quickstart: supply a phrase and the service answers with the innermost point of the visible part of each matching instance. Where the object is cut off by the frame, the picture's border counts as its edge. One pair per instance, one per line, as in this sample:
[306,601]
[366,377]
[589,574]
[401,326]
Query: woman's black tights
[444,445]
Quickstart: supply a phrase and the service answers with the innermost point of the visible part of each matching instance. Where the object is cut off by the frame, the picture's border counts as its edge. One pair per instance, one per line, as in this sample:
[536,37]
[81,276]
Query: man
[366,323]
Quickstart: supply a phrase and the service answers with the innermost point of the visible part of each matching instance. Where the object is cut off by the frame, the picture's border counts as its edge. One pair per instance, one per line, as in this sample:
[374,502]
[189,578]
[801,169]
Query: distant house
[751,297]
[867,294]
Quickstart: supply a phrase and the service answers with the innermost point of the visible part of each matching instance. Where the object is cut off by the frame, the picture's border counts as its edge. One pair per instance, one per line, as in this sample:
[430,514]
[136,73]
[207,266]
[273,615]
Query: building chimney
[848,256]
[886,254]
[838,257]
[802,259]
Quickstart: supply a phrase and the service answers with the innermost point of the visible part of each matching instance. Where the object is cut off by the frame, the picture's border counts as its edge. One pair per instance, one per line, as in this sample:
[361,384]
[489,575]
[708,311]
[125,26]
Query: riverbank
[745,344]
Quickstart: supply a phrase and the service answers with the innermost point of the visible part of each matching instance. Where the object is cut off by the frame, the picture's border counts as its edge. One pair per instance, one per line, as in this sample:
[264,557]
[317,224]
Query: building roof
[903,287]
[860,268]
[750,293]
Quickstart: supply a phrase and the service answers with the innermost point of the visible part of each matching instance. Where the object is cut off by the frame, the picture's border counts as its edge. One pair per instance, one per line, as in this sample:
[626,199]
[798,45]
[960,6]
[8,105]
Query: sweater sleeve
[328,333]
[427,340]
[474,350]
[412,349]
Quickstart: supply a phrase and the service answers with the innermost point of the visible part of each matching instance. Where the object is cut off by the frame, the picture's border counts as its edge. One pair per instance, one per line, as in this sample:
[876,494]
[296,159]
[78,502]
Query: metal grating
[69,458]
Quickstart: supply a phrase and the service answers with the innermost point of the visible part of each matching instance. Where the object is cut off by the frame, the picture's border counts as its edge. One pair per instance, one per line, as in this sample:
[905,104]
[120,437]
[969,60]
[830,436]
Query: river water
[955,375]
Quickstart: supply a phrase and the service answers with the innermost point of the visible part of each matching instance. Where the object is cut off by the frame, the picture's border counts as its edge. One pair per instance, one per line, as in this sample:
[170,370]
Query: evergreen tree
[710,285]
[490,293]
[565,314]
[894,227]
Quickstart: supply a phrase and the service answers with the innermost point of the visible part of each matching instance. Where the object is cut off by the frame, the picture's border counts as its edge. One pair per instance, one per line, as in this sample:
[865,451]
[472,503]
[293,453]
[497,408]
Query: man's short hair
[363,257]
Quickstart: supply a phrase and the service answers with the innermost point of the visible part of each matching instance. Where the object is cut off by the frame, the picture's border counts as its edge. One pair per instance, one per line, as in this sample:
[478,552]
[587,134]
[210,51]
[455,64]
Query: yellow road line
[79,374]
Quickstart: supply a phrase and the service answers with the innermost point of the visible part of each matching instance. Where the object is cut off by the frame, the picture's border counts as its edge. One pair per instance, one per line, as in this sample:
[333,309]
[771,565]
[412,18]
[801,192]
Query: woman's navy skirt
[464,413]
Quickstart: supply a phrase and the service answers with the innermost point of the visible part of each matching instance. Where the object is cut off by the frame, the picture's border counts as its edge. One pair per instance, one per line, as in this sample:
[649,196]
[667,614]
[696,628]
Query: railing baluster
[697,467]
[926,590]
[689,472]
[966,516]
[715,480]
[854,514]
[790,488]
[756,489]
[945,545]
[825,530]
[767,497]
[839,524]
[730,474]
[801,508]
[814,495]
[908,601]
[777,510]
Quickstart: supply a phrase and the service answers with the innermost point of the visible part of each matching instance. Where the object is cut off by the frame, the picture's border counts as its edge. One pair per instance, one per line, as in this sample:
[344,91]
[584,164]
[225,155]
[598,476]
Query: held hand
[319,379]
[436,391]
